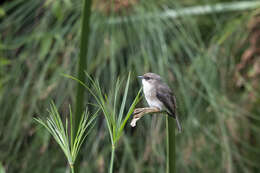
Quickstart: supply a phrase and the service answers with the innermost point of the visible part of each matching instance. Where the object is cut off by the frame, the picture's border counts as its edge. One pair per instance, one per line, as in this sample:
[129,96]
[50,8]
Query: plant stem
[82,65]
[112,159]
[191,11]
[72,169]
[170,142]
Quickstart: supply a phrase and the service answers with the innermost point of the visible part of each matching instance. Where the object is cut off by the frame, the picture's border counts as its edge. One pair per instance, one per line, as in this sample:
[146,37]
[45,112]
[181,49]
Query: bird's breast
[150,95]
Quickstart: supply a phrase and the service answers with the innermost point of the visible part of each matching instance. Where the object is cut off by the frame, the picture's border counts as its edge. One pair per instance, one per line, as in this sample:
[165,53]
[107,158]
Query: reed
[64,135]
[170,145]
[82,63]
[199,54]
[108,103]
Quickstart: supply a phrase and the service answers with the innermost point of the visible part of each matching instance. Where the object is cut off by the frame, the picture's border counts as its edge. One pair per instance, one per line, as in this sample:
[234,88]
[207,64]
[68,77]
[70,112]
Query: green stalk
[170,141]
[72,169]
[82,65]
[192,11]
[112,159]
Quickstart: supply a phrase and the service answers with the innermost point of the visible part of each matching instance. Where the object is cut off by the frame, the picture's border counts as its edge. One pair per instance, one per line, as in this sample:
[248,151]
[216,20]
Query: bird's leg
[140,112]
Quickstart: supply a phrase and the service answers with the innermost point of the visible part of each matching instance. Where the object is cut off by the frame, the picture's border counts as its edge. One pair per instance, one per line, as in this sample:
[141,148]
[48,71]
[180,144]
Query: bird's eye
[147,78]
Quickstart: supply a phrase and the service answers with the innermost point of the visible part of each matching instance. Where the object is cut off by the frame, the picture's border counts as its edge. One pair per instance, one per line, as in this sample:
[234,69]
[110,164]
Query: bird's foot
[140,112]
[146,110]
[133,122]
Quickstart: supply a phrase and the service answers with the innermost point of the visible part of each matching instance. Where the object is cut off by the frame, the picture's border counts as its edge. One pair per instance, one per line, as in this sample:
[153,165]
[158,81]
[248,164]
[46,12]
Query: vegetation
[108,104]
[209,60]
[64,136]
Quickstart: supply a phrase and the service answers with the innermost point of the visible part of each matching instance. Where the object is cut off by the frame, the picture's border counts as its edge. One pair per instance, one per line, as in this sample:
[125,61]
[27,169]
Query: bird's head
[150,78]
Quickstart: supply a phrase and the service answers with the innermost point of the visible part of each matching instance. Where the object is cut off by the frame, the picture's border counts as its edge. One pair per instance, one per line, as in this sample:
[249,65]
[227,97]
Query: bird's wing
[166,96]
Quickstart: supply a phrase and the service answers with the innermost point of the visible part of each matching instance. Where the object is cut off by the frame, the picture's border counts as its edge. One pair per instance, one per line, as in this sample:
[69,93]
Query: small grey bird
[159,95]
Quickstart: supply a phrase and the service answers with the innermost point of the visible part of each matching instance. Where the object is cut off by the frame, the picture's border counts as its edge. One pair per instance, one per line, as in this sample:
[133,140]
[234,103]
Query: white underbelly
[150,96]
[154,103]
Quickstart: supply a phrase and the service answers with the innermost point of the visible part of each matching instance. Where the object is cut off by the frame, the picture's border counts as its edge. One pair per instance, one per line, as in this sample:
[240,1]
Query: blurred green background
[210,60]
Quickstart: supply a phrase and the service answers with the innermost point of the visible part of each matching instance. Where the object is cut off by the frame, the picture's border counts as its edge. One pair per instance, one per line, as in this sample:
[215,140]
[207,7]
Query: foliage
[64,136]
[196,55]
[108,104]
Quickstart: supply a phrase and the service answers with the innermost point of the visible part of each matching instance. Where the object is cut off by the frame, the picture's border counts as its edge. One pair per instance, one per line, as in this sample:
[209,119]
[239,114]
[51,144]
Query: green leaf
[4,61]
[129,113]
[45,46]
[2,12]
[2,170]
[65,140]
[123,101]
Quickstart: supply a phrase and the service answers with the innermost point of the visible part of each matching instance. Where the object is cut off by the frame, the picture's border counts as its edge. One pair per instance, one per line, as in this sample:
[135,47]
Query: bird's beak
[141,77]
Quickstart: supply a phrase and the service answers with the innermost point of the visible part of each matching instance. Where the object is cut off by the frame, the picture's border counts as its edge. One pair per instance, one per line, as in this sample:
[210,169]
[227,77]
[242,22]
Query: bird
[159,95]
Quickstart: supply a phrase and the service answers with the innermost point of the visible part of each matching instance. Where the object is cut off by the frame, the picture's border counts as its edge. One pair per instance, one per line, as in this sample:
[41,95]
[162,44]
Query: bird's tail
[177,121]
[178,124]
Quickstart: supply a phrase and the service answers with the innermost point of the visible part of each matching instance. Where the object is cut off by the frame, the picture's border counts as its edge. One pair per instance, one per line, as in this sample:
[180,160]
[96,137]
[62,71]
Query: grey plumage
[158,93]
[166,96]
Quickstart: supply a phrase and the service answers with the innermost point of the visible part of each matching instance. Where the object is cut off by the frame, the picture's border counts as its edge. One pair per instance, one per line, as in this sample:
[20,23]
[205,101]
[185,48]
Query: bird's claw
[133,122]
[138,110]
